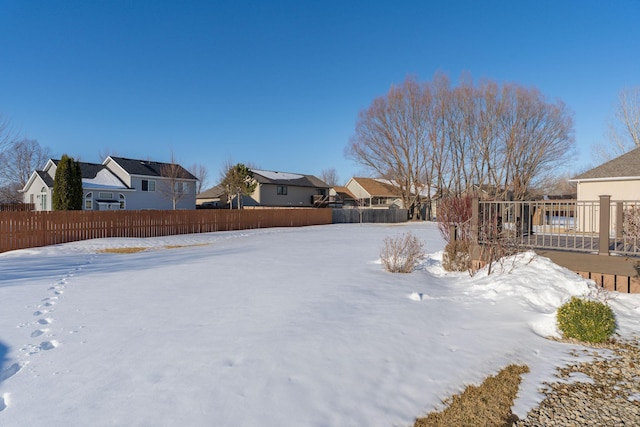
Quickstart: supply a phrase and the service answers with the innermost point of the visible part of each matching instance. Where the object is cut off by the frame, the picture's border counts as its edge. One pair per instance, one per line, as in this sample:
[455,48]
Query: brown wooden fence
[13,207]
[20,230]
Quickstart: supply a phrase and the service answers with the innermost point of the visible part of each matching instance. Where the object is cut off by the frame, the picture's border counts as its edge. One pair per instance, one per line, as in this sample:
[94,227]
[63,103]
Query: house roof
[286,178]
[212,192]
[625,166]
[344,191]
[46,178]
[94,175]
[147,167]
[377,188]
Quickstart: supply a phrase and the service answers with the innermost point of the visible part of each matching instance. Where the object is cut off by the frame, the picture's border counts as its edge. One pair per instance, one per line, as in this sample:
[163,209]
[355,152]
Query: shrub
[456,256]
[590,321]
[455,211]
[401,254]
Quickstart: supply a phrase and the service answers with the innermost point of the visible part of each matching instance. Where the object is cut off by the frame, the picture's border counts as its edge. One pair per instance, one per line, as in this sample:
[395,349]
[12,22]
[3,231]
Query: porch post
[619,219]
[603,231]
[475,215]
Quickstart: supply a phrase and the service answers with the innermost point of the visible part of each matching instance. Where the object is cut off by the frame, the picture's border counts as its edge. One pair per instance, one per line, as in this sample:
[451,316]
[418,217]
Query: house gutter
[609,179]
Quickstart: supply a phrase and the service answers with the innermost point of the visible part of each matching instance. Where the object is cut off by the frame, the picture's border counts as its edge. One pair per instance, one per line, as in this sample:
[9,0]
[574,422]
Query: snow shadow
[6,373]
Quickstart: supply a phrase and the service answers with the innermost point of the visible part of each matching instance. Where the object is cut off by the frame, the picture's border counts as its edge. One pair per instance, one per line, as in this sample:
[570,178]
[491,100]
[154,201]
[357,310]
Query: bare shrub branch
[401,254]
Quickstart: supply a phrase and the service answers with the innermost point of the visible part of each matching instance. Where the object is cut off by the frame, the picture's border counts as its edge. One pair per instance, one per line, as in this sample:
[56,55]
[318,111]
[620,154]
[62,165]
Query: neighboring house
[117,184]
[375,193]
[346,198]
[274,189]
[155,183]
[618,178]
[213,198]
[283,189]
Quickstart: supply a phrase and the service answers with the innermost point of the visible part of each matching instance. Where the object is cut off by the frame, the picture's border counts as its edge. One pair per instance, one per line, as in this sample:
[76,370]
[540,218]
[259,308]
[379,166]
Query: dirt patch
[134,250]
[488,404]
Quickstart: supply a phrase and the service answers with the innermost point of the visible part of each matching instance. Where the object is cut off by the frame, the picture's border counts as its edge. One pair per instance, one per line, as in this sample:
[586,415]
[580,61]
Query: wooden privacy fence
[20,230]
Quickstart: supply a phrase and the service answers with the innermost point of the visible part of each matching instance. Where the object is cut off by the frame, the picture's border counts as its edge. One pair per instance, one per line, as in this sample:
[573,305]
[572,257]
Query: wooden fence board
[20,230]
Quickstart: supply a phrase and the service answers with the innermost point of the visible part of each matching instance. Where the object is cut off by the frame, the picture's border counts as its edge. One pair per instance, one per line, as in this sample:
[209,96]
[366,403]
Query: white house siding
[41,196]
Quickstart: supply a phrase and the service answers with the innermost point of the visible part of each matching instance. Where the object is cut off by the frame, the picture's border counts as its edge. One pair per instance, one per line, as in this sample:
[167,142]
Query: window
[148,185]
[105,195]
[43,199]
[181,187]
[281,190]
[122,201]
[88,202]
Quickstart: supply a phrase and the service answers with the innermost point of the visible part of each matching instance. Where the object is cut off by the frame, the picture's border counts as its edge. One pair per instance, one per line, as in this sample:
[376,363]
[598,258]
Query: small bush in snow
[456,256]
[590,321]
[401,254]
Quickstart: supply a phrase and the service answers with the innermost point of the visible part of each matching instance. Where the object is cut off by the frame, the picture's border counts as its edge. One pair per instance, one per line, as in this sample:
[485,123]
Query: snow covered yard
[272,327]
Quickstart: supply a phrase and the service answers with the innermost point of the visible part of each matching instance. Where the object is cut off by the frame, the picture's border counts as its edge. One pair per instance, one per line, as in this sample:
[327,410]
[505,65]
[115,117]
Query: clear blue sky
[280,83]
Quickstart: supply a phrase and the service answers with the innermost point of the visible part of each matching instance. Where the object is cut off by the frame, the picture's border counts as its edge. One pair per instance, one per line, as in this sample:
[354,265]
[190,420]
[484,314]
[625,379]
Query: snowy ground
[269,327]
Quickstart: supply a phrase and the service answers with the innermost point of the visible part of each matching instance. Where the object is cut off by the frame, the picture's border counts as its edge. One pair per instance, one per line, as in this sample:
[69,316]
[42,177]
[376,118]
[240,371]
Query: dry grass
[134,250]
[121,250]
[486,405]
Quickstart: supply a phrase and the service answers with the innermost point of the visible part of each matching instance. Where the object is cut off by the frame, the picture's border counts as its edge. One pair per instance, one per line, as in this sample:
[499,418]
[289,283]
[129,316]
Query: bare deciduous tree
[623,130]
[20,159]
[175,186]
[6,132]
[103,154]
[390,138]
[201,172]
[329,176]
[432,136]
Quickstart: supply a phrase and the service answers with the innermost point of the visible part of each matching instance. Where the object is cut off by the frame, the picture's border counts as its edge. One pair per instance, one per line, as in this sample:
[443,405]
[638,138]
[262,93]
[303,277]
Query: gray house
[273,189]
[119,184]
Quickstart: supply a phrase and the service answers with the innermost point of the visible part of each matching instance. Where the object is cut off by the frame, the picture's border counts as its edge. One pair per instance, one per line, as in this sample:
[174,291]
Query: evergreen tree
[67,185]
[238,182]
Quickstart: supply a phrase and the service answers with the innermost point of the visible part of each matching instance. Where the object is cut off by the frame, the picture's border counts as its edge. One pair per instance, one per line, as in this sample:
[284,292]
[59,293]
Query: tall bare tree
[390,138]
[201,172]
[329,176]
[623,130]
[20,159]
[6,132]
[175,186]
[434,136]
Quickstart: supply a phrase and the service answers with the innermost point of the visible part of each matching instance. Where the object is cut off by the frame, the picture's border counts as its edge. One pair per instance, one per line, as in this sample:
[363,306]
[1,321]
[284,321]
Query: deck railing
[604,227]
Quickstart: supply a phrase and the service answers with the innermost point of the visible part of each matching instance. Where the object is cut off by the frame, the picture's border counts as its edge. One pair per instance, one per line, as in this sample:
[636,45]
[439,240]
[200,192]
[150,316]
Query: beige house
[375,193]
[618,178]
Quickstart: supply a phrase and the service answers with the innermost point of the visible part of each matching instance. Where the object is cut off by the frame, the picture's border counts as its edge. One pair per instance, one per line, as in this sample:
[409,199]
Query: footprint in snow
[418,296]
[10,371]
[44,321]
[48,345]
[3,401]
[38,332]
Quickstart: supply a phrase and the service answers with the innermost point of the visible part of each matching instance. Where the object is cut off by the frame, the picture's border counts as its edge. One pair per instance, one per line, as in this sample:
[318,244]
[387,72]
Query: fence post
[475,215]
[603,230]
[452,233]
[619,219]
